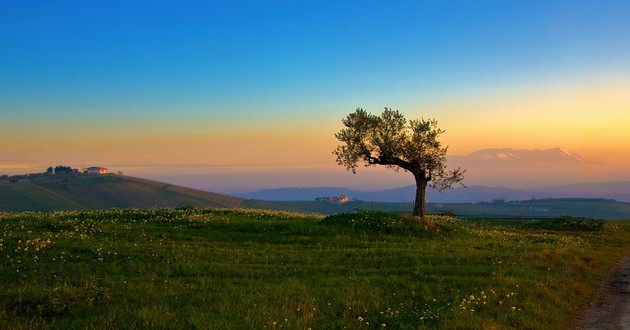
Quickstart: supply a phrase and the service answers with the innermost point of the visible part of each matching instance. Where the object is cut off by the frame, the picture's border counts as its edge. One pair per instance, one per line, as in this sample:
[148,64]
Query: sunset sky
[237,95]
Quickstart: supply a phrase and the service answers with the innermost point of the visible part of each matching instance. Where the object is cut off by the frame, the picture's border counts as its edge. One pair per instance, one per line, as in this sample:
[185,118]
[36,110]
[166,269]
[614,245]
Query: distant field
[248,269]
[537,208]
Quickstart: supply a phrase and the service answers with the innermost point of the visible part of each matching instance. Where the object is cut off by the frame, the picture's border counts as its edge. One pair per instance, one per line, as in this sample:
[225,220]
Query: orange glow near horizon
[591,121]
[206,94]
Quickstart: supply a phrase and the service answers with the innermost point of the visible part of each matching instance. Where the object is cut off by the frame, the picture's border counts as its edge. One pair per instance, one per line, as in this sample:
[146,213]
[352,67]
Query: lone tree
[391,141]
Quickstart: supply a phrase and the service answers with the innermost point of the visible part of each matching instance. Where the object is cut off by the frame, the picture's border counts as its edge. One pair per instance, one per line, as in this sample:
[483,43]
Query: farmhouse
[96,170]
[333,200]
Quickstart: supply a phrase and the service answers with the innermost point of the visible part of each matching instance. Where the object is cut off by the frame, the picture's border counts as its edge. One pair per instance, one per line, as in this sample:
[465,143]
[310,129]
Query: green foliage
[251,269]
[566,224]
[60,169]
[374,221]
[389,140]
[388,223]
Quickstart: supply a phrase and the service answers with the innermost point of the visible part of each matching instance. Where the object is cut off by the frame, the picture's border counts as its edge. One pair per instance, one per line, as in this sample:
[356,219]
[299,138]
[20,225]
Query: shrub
[567,224]
[376,221]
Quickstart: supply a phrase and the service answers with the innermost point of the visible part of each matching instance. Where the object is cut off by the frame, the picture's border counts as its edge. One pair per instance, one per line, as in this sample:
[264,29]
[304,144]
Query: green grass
[240,269]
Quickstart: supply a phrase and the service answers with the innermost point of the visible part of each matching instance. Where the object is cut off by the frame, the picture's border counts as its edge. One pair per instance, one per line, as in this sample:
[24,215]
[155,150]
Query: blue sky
[143,70]
[161,55]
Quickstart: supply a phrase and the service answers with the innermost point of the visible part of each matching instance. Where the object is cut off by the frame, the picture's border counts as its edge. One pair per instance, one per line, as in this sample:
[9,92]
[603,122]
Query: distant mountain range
[619,191]
[541,170]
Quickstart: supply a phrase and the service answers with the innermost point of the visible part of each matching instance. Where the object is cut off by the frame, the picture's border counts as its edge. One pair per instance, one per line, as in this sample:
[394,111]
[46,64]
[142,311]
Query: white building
[333,200]
[96,170]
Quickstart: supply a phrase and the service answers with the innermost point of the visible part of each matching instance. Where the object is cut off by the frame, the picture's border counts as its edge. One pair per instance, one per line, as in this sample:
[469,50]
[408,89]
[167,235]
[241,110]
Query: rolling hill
[84,191]
[63,192]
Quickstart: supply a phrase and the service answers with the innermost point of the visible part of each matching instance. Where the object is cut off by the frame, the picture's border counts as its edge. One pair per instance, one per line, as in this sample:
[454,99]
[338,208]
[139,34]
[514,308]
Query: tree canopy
[392,141]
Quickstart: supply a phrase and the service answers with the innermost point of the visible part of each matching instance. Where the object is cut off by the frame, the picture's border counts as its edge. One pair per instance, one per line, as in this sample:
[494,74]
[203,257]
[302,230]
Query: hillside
[100,192]
[85,191]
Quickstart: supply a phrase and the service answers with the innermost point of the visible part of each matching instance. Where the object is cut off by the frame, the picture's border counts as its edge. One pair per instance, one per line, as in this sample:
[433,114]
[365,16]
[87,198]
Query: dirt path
[611,306]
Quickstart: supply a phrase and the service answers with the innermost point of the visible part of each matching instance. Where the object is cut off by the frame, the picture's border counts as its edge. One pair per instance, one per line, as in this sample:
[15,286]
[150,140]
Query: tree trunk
[421,191]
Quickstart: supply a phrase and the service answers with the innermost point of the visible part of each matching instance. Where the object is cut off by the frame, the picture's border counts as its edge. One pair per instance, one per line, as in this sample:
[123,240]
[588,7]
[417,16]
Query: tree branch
[384,160]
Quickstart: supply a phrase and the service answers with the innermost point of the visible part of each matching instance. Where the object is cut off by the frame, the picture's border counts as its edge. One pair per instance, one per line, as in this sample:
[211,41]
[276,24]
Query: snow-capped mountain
[503,173]
[530,168]
[556,155]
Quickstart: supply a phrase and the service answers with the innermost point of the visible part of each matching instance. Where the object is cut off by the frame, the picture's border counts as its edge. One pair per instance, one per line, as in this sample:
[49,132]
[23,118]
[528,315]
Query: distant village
[333,200]
[67,169]
[60,169]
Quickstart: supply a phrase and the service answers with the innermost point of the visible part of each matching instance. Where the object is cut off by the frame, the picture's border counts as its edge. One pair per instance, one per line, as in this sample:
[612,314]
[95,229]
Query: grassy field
[239,269]
[536,208]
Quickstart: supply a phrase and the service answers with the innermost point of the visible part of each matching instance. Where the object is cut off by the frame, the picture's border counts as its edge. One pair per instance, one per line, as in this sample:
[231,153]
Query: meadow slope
[249,269]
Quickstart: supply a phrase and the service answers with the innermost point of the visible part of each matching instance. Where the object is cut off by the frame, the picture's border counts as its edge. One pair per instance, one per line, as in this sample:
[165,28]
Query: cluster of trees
[61,169]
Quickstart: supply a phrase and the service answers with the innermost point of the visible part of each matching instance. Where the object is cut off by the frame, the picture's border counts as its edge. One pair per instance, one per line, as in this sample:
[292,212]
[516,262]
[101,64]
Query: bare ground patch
[610,308]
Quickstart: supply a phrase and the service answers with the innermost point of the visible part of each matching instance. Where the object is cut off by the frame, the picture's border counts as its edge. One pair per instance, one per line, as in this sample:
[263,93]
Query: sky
[242,95]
